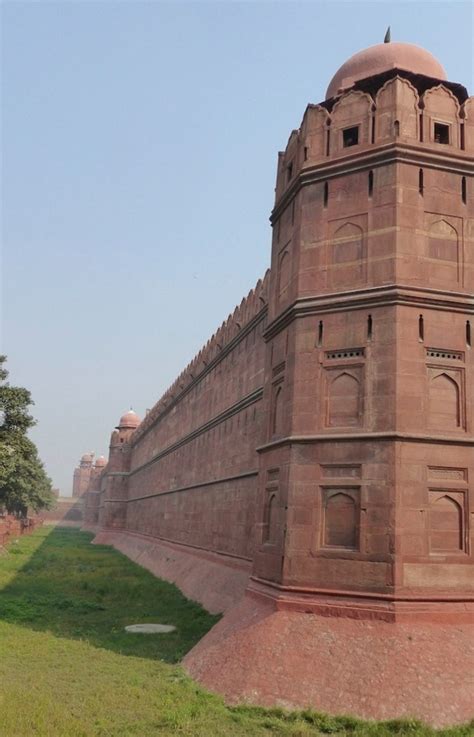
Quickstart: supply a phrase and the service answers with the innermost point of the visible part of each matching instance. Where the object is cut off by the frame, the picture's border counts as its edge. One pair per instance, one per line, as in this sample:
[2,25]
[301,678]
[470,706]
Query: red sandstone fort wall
[358,403]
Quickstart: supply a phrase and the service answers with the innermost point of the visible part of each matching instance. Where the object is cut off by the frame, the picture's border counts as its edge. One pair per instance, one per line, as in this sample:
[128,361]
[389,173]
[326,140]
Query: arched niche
[446,523]
[346,255]
[440,108]
[443,241]
[444,401]
[352,110]
[397,112]
[344,400]
[341,519]
[443,250]
[347,244]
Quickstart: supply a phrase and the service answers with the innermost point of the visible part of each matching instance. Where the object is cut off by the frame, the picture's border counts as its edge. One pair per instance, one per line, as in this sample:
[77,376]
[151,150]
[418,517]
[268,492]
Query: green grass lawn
[68,669]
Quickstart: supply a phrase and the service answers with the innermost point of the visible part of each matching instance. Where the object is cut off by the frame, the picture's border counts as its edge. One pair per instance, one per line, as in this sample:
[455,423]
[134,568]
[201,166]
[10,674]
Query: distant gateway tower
[86,473]
[319,451]
[82,475]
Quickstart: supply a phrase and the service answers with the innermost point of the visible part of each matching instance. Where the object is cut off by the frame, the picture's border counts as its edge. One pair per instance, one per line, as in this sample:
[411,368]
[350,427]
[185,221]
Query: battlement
[395,108]
[236,322]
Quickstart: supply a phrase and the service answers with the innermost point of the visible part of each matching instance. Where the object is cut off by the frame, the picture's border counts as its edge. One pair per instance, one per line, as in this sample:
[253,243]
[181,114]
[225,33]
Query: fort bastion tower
[366,470]
[369,377]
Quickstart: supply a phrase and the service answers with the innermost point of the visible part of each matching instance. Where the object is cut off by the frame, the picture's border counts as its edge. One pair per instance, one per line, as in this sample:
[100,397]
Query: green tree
[23,481]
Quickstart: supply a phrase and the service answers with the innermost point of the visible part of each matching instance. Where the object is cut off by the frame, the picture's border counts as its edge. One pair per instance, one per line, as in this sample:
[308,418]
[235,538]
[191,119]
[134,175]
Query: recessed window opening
[289,172]
[371,183]
[441,133]
[328,140]
[421,127]
[468,333]
[421,185]
[372,126]
[350,136]
[464,190]
[370,328]
[463,142]
[396,128]
[326,194]
[421,329]
[305,153]
[320,333]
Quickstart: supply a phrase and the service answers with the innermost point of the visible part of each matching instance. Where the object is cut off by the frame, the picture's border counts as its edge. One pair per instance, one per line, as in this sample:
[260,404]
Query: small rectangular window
[350,136]
[441,133]
[289,172]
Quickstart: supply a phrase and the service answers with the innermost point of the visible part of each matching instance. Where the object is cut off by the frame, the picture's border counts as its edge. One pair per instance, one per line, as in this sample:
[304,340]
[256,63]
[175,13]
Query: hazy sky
[139,154]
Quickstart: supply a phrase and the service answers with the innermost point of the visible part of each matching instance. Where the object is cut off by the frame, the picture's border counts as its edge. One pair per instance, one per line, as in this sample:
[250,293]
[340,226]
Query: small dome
[87,458]
[129,420]
[381,58]
[100,462]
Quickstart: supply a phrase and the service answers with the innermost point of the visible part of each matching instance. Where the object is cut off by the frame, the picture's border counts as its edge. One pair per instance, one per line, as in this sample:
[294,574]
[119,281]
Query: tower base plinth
[266,652]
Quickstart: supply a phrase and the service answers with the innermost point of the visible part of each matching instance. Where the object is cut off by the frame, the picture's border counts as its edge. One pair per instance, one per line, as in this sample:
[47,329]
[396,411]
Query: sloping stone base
[367,668]
[262,654]
[217,582]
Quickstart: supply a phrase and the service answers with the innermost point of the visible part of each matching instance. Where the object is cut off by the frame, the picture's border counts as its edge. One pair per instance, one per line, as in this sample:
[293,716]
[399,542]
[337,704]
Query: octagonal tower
[368,460]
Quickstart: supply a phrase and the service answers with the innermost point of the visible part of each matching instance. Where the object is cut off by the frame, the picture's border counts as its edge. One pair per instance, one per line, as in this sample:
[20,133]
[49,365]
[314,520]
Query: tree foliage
[23,481]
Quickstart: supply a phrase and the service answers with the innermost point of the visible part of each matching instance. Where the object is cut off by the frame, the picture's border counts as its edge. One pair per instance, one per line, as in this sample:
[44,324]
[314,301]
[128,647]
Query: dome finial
[129,420]
[388,36]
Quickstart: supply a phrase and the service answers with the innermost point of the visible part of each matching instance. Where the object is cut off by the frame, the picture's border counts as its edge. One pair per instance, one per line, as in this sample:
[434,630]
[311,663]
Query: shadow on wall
[55,581]
[68,512]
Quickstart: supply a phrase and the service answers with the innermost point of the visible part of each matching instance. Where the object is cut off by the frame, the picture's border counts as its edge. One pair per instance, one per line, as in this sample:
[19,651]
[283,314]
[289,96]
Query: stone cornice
[372,297]
[363,436]
[228,348]
[247,401]
[454,161]
[357,594]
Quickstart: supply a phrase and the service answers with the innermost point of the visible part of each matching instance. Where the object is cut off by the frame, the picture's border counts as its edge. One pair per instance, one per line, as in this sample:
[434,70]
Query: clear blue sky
[139,153]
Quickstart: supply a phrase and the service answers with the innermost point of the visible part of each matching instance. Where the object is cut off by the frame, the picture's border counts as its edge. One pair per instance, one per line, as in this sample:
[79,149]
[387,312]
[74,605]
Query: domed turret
[100,462]
[129,421]
[381,58]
